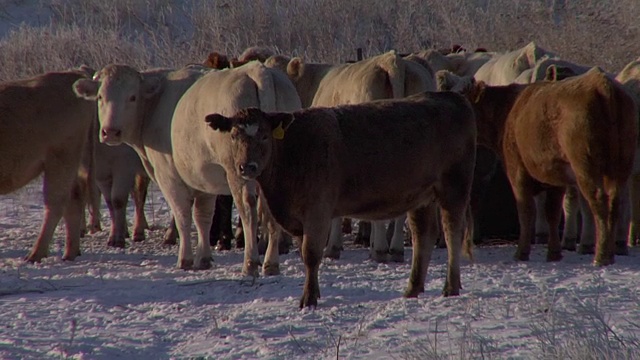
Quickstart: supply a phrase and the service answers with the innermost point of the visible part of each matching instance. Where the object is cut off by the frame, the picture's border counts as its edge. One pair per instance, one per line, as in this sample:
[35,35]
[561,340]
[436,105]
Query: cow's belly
[209,178]
[555,171]
[379,201]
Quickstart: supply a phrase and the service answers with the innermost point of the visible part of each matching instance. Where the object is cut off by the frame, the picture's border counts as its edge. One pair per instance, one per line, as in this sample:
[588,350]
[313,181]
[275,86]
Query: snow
[134,303]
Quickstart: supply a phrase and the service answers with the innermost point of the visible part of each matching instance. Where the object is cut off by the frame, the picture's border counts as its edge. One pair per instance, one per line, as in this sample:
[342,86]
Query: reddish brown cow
[321,163]
[580,131]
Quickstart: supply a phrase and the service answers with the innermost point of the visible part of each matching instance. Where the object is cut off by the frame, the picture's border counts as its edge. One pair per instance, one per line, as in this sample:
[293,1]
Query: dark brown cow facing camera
[322,163]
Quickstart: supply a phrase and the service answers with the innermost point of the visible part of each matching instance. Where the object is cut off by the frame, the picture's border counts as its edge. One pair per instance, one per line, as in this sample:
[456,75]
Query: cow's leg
[346,226]
[203,210]
[221,231]
[171,234]
[424,232]
[56,187]
[553,212]
[623,220]
[334,246]
[239,234]
[542,227]
[316,230]
[601,204]
[522,186]
[634,230]
[588,229]
[442,242]
[93,196]
[73,214]
[139,195]
[271,265]
[244,196]
[380,248]
[363,236]
[571,206]
[396,249]
[117,204]
[181,201]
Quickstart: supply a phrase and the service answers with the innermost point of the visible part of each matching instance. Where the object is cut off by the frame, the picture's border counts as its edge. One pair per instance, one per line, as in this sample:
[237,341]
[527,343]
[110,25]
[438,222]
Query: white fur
[250,130]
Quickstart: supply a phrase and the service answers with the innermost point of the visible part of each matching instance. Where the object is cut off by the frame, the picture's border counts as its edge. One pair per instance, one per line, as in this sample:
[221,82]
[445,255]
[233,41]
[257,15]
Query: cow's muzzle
[248,170]
[111,136]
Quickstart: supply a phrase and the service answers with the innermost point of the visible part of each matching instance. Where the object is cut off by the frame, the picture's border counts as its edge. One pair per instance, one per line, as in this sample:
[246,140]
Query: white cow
[197,161]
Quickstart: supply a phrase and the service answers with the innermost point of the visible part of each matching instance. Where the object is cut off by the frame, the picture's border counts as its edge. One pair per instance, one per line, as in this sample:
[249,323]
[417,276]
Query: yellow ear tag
[278,133]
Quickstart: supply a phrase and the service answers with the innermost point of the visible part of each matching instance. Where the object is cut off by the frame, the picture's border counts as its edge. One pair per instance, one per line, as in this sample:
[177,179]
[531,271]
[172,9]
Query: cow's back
[587,114]
[40,116]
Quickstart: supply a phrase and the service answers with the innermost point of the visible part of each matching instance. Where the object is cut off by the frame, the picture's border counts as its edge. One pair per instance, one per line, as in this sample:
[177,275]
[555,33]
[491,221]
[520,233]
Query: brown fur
[343,161]
[217,61]
[259,53]
[581,130]
[44,129]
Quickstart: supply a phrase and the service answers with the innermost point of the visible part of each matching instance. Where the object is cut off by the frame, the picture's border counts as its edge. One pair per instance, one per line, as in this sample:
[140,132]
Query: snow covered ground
[134,304]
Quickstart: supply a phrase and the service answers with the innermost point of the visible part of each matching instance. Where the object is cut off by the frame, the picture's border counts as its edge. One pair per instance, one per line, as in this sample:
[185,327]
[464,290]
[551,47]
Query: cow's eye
[99,97]
[265,137]
[132,98]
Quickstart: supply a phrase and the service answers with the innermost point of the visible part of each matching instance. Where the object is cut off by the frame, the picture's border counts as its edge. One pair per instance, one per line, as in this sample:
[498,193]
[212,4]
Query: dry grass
[172,33]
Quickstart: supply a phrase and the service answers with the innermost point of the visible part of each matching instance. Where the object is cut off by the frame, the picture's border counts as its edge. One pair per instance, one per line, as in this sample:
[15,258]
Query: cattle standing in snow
[580,131]
[322,163]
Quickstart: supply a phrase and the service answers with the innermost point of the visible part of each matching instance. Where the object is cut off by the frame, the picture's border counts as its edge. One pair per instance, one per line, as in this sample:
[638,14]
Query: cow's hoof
[413,291]
[116,241]
[270,269]
[396,256]
[379,256]
[450,291]
[34,257]
[521,256]
[622,249]
[185,264]
[332,253]
[204,264]
[553,256]
[138,237]
[169,242]
[586,249]
[251,268]
[309,298]
[603,260]
[71,255]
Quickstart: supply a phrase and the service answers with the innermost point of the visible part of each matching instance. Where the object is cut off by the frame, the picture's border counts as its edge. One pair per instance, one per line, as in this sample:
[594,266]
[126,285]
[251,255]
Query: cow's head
[120,92]
[245,141]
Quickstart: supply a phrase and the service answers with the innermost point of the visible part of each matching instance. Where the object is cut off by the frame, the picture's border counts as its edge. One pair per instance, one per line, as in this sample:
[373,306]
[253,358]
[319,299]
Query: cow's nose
[248,169]
[111,136]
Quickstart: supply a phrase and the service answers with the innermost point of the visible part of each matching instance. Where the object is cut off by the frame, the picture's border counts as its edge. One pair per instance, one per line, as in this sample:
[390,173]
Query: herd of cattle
[301,146]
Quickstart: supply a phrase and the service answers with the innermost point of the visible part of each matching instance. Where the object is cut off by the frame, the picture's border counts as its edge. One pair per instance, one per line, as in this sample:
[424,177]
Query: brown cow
[580,131]
[44,129]
[321,163]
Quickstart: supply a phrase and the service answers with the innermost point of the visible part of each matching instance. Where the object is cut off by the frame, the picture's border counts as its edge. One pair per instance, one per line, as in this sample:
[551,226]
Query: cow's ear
[294,68]
[280,123]
[151,86]
[443,81]
[218,122]
[86,89]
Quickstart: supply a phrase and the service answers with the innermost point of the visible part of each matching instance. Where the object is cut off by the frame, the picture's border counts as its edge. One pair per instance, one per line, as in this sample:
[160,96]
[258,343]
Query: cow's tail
[394,66]
[265,85]
[467,241]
